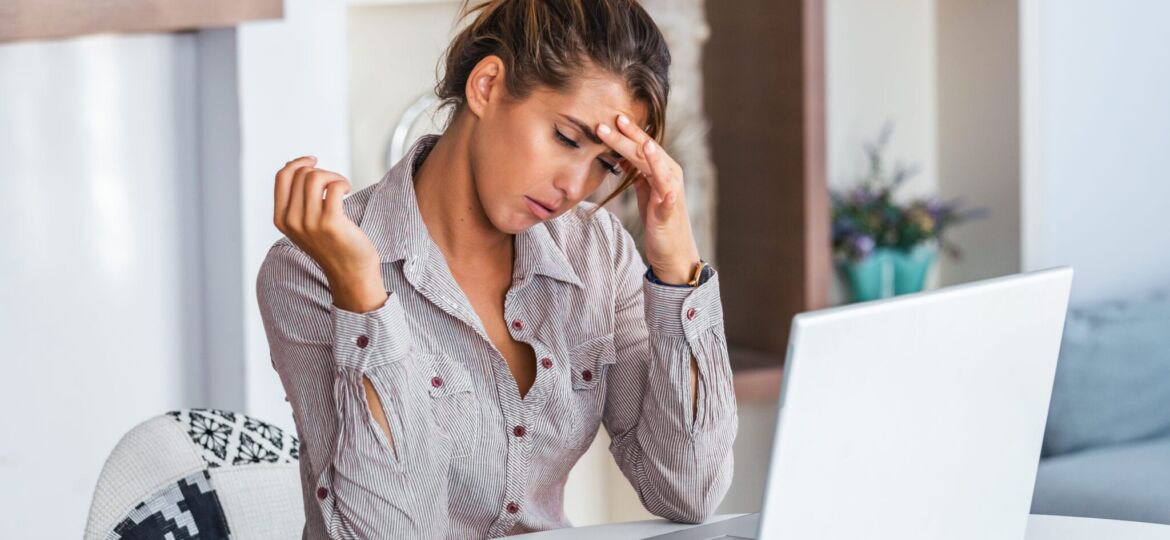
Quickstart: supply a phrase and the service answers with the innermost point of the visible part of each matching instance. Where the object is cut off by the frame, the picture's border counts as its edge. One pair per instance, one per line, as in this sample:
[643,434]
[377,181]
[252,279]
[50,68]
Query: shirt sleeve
[681,469]
[363,488]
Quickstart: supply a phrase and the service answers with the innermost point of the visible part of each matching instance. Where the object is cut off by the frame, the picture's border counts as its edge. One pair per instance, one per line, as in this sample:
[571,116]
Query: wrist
[358,294]
[674,276]
[678,271]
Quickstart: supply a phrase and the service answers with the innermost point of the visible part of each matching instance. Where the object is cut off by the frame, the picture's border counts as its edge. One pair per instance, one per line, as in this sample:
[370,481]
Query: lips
[541,210]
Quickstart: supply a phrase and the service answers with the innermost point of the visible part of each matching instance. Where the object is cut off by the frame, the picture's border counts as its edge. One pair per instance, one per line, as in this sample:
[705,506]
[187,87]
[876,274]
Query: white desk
[1039,528]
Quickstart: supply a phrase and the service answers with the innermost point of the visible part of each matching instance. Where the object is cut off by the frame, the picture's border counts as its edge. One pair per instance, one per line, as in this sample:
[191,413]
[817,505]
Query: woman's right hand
[321,228]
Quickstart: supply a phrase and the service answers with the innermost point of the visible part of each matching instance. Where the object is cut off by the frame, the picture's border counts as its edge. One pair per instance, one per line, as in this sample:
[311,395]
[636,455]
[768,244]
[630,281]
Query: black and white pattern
[188,509]
[228,438]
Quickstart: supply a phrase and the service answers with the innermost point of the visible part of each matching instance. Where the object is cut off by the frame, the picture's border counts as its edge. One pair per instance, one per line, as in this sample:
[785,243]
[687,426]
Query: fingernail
[623,120]
[603,129]
[314,158]
[651,147]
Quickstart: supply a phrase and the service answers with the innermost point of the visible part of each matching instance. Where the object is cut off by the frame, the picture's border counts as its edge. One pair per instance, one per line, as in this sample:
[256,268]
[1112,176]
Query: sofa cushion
[1113,379]
[1128,482]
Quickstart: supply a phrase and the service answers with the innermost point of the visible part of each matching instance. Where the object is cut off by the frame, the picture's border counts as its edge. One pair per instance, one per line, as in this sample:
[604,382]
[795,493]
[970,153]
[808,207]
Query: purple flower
[862,246]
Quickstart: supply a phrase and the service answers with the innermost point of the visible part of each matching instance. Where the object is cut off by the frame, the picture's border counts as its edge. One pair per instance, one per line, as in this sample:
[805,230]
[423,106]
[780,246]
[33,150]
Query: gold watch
[697,273]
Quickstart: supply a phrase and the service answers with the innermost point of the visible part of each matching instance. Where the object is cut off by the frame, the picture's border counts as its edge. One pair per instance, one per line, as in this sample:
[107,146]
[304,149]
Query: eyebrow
[591,135]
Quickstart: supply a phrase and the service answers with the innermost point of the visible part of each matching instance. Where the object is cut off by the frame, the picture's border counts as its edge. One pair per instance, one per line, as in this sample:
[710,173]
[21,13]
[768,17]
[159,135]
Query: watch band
[703,272]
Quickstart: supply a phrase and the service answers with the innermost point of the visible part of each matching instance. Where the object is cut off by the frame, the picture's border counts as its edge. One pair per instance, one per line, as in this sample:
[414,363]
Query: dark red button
[518,324]
[436,381]
[513,508]
[519,431]
[362,341]
[691,314]
[587,375]
[322,493]
[546,362]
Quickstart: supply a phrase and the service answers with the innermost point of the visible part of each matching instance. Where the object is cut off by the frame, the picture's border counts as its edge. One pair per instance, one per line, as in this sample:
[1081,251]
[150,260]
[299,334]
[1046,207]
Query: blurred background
[835,151]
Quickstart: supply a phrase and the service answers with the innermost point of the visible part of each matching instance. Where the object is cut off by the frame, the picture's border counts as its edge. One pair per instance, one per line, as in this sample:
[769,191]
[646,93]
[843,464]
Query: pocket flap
[588,359]
[448,377]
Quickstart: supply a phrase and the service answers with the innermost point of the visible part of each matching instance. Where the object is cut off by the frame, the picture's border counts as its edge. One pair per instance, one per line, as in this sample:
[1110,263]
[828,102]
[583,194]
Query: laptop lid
[917,417]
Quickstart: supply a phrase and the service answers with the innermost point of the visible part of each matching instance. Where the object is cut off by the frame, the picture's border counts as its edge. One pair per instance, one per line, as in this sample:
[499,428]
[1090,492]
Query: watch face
[707,271]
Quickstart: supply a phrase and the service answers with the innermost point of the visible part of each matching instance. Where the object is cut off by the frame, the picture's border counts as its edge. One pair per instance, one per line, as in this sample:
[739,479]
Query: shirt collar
[394,225]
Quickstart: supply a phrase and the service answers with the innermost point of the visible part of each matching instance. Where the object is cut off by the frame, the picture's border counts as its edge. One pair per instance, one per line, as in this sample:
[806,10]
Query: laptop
[915,417]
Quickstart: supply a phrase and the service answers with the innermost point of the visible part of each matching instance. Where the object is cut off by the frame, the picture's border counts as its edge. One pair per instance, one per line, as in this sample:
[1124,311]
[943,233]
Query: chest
[487,298]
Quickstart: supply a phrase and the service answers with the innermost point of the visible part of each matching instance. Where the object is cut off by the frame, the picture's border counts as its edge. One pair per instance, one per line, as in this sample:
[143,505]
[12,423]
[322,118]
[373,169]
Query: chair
[200,474]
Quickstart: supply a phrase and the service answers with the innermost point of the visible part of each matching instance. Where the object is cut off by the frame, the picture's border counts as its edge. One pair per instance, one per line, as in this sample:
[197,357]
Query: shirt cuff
[365,340]
[682,312]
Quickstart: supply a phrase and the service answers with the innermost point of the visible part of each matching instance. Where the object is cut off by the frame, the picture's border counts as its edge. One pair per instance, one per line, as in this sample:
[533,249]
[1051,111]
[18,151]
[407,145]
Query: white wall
[293,101]
[1096,130]
[99,308]
[880,66]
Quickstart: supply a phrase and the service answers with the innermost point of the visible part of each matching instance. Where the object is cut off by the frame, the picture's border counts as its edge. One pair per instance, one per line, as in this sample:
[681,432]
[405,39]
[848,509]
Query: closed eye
[610,167]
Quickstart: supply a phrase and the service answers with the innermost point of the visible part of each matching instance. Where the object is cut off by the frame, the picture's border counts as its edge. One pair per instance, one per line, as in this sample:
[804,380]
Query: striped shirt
[473,458]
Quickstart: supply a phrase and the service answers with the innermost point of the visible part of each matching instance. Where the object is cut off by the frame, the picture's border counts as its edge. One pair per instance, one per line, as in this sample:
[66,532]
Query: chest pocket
[590,362]
[454,407]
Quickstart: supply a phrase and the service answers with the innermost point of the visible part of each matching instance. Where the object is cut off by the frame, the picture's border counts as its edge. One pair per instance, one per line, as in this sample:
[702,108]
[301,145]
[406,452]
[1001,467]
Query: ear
[485,84]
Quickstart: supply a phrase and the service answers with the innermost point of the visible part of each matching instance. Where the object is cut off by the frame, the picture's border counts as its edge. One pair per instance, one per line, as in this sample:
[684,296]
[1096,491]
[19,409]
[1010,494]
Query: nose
[573,181]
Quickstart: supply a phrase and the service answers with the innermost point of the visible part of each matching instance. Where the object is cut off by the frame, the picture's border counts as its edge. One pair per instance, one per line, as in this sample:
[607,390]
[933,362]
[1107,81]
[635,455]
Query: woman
[451,338]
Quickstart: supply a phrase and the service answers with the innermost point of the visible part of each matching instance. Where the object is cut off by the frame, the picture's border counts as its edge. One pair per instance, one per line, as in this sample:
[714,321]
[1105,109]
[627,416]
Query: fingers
[642,189]
[282,192]
[334,195]
[294,217]
[306,186]
[628,128]
[662,170]
[314,184]
[640,149]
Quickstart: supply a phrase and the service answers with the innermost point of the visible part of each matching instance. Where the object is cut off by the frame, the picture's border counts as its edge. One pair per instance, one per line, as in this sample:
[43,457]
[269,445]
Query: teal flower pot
[870,278]
[911,267]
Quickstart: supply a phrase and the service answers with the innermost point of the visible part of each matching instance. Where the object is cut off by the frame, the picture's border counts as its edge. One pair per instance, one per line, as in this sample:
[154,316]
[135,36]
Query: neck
[450,206]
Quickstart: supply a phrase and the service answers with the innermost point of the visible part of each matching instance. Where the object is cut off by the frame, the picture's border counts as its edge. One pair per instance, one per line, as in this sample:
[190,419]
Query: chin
[513,222]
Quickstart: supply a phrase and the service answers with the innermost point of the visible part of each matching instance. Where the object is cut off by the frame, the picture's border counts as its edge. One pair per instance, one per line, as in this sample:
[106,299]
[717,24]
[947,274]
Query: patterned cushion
[203,474]
[185,509]
[229,438]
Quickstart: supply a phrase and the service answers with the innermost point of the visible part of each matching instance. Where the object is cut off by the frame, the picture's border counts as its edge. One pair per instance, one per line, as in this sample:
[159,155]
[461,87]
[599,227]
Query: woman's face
[536,159]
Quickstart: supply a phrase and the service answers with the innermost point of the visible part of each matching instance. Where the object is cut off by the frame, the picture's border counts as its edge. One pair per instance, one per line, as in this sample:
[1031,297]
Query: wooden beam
[764,86]
[46,19]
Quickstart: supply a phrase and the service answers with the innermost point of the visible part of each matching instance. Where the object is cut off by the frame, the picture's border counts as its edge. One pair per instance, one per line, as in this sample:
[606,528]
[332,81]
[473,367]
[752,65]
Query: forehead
[594,98]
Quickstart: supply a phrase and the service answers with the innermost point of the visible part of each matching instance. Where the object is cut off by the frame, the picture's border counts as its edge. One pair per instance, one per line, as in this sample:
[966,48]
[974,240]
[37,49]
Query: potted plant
[882,248]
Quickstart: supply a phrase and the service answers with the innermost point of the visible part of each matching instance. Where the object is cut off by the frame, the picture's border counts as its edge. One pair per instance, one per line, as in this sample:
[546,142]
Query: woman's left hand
[669,241]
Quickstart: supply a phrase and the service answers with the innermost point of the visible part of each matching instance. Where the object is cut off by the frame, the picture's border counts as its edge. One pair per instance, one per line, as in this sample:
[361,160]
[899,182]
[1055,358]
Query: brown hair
[546,42]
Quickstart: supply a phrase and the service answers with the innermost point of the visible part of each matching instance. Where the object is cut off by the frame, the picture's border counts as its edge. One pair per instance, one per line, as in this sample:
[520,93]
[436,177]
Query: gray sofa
[1107,445]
